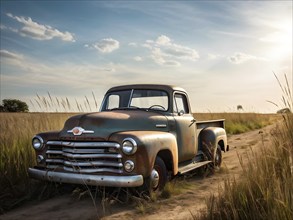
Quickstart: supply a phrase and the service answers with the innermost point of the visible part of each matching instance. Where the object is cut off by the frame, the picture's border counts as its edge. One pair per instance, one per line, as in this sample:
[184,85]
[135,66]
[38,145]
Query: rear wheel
[214,155]
[218,157]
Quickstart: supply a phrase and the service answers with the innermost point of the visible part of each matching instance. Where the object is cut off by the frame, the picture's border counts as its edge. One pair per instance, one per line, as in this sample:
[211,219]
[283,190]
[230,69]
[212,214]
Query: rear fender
[212,137]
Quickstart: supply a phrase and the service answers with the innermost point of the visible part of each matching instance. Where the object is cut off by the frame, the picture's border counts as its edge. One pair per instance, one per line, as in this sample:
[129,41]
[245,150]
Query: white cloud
[163,59]
[232,34]
[149,41]
[157,56]
[108,69]
[138,58]
[165,52]
[133,44]
[106,45]
[239,57]
[2,27]
[38,31]
[181,52]
[147,45]
[163,40]
[10,55]
[214,56]
[172,63]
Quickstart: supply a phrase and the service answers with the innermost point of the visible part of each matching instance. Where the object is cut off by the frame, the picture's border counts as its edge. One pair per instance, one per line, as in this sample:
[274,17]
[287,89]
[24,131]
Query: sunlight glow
[280,40]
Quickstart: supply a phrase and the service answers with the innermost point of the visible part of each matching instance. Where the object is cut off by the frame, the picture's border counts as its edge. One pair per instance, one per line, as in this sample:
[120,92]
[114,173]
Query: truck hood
[102,124]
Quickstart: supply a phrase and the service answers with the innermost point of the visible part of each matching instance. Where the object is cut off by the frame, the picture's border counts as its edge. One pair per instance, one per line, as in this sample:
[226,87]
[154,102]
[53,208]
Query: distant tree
[239,107]
[13,105]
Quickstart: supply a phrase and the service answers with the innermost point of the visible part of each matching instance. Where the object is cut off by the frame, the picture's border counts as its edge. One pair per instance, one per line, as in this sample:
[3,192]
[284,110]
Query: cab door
[185,128]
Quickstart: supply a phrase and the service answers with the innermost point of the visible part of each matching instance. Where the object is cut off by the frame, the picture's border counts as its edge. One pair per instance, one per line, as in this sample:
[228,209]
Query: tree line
[13,105]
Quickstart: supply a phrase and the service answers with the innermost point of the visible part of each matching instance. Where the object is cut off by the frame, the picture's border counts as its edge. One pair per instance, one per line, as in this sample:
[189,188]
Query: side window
[116,99]
[180,104]
[113,101]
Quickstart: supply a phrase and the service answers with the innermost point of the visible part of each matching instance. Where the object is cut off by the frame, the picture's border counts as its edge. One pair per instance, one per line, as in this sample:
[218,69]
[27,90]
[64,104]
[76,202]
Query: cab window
[180,104]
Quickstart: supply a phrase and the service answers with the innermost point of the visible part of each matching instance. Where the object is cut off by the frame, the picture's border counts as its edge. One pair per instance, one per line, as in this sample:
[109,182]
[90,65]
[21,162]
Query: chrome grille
[84,157]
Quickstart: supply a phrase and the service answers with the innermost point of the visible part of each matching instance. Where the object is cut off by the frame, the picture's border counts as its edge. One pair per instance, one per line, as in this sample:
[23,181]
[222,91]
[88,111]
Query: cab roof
[167,88]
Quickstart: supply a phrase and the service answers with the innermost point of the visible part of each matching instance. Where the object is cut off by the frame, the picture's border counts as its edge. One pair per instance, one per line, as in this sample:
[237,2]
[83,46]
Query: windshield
[136,99]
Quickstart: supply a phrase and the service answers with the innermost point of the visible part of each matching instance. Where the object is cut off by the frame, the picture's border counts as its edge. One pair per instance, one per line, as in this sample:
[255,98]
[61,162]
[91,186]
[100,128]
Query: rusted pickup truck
[143,135]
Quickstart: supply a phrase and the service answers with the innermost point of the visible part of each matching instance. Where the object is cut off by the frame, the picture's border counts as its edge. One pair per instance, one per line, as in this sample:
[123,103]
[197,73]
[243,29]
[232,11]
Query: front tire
[158,177]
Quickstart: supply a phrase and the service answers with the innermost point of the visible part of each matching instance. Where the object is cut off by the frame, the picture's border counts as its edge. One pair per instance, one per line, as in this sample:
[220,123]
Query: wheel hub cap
[154,179]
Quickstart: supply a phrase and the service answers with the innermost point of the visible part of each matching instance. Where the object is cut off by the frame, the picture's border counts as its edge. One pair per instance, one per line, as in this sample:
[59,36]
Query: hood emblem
[79,131]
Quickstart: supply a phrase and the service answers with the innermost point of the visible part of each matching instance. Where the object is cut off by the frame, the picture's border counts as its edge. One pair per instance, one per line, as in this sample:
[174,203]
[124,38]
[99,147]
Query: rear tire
[218,158]
[214,155]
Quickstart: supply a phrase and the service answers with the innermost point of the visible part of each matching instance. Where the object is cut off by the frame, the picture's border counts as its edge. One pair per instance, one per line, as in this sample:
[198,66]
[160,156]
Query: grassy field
[237,123]
[265,190]
[17,155]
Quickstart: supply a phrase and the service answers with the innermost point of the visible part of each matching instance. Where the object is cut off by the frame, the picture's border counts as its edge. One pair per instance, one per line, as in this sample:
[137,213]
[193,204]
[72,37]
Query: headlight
[129,146]
[37,142]
[40,159]
[128,165]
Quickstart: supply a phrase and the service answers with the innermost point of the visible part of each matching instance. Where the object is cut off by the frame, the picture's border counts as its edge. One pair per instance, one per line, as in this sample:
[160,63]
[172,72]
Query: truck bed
[211,123]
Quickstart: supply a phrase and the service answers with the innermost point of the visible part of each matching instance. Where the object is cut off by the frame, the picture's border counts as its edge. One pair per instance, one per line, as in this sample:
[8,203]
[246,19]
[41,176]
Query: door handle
[192,122]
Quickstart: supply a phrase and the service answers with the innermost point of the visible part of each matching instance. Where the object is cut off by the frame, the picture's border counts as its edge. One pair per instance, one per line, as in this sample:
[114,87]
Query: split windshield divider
[130,98]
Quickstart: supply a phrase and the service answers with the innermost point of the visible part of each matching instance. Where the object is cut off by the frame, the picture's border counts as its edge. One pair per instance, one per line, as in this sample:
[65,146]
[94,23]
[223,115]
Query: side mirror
[181,113]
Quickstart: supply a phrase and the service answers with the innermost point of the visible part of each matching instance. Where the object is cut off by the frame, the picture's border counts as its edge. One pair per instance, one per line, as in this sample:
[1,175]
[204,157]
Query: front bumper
[86,179]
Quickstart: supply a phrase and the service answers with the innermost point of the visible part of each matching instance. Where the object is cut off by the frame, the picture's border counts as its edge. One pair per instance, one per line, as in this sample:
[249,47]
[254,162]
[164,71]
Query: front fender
[149,144]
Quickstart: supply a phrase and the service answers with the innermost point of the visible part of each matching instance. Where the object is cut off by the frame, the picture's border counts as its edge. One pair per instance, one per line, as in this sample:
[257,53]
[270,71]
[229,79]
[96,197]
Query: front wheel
[158,177]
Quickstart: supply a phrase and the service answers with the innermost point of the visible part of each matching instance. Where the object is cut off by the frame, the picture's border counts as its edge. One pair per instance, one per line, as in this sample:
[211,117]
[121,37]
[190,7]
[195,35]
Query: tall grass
[16,152]
[49,103]
[265,189]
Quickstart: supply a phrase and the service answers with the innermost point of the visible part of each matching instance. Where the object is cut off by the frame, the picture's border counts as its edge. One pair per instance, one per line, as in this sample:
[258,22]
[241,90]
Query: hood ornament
[79,131]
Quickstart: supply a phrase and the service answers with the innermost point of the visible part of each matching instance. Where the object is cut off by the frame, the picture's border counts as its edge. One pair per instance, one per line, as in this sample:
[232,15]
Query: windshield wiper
[127,108]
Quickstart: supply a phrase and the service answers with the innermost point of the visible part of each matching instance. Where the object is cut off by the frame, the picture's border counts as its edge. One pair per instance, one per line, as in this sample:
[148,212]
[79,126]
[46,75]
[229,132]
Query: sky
[223,53]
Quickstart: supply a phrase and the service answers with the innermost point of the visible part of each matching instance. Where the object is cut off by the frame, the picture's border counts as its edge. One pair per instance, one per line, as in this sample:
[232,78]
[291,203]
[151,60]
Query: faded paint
[105,123]
[155,132]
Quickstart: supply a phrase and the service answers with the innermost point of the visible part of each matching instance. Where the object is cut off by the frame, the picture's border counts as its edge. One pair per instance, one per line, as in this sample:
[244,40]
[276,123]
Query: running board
[192,166]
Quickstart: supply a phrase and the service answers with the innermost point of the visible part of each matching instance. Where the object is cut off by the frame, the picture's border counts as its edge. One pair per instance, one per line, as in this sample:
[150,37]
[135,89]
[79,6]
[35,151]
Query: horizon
[223,53]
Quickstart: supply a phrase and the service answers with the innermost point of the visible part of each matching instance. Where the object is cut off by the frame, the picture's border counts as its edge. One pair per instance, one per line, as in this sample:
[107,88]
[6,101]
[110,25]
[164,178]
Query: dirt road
[182,206]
